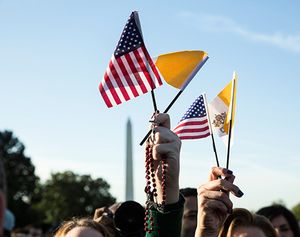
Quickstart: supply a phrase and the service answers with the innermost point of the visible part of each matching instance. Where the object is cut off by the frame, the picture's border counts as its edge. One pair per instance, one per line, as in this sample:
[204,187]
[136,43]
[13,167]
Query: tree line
[62,196]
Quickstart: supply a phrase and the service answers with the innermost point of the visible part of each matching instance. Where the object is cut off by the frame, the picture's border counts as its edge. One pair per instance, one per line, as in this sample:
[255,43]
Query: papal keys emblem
[219,121]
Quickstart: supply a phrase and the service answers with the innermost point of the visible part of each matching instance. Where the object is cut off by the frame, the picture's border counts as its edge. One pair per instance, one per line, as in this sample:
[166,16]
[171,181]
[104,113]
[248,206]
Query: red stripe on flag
[111,88]
[152,65]
[128,78]
[194,137]
[193,129]
[117,78]
[104,96]
[199,122]
[135,73]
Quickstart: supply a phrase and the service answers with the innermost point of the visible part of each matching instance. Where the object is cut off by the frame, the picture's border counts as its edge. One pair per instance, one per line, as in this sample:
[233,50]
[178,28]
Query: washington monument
[129,165]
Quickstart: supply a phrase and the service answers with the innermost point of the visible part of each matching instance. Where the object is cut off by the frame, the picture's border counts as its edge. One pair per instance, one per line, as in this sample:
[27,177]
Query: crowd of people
[170,211]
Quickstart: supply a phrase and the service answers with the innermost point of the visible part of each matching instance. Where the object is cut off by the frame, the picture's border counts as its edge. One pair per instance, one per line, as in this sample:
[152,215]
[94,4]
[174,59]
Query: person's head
[189,218]
[282,220]
[242,223]
[123,219]
[35,230]
[20,232]
[9,222]
[83,227]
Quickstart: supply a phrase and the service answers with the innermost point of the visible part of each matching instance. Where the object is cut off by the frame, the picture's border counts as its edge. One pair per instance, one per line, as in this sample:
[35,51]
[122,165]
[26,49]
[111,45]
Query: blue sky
[53,55]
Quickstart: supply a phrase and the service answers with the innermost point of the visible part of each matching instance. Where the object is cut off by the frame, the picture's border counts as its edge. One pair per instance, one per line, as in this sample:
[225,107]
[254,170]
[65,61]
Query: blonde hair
[243,218]
[82,222]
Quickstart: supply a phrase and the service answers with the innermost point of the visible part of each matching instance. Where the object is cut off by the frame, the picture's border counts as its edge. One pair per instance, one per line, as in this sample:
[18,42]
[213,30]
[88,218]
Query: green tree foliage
[20,178]
[67,194]
[61,197]
[296,211]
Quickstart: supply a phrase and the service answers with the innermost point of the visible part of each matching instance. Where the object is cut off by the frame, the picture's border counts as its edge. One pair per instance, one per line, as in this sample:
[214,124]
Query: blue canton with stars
[196,110]
[131,38]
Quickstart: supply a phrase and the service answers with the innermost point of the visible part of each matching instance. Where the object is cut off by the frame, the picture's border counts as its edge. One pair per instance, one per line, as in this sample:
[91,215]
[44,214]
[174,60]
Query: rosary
[151,186]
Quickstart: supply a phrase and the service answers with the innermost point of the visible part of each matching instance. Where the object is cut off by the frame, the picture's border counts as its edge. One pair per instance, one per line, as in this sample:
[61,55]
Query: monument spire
[129,165]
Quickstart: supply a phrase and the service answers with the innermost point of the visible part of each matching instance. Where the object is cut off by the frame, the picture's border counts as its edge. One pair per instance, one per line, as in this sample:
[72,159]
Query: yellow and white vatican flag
[222,110]
[179,68]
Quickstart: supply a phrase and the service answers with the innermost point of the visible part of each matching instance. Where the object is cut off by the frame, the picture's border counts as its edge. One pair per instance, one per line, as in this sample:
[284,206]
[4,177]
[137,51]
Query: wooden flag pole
[210,130]
[230,122]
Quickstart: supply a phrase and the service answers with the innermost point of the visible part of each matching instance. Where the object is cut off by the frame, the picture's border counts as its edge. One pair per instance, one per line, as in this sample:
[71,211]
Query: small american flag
[131,71]
[194,123]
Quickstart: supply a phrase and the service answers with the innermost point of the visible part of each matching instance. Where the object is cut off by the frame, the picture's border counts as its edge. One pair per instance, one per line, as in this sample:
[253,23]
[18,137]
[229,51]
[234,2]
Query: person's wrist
[205,232]
[171,194]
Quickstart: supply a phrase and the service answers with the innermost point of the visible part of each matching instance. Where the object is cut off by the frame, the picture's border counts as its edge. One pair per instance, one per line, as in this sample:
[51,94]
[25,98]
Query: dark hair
[188,192]
[278,210]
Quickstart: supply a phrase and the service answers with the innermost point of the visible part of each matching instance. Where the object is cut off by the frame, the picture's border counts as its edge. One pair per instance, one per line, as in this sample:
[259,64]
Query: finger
[216,206]
[98,212]
[217,172]
[166,150]
[164,135]
[163,120]
[230,178]
[221,184]
[217,196]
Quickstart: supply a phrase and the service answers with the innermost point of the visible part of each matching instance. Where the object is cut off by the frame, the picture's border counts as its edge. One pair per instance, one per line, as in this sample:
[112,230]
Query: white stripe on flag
[149,68]
[184,127]
[115,85]
[123,80]
[108,93]
[141,74]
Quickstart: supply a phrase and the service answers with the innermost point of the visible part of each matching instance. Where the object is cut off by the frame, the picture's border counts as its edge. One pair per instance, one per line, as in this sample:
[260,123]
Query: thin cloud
[223,24]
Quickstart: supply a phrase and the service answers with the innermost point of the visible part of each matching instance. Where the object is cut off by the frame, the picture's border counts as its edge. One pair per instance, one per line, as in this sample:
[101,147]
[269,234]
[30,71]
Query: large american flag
[194,123]
[131,71]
